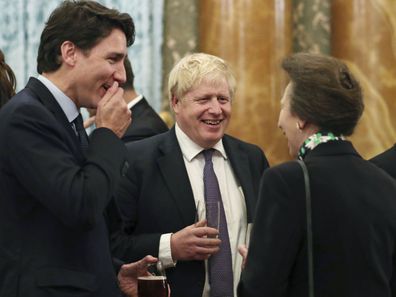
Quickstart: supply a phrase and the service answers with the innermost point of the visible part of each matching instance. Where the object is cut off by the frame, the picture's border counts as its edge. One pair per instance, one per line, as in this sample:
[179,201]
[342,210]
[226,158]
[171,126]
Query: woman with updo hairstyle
[353,201]
[7,81]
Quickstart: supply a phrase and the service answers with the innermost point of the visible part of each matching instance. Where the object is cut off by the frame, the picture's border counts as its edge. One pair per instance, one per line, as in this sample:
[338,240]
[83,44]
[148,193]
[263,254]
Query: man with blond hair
[166,182]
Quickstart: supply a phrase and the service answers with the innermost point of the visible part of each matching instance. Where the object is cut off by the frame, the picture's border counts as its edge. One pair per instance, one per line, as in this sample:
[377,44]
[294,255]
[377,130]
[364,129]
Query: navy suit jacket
[145,122]
[353,223]
[53,236]
[156,198]
[387,161]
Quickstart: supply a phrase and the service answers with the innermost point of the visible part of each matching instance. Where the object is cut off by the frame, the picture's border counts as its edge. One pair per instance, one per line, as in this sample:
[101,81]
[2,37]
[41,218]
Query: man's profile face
[97,70]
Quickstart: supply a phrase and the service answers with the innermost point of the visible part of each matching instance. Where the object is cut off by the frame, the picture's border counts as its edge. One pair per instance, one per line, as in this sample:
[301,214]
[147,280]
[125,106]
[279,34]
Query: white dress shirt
[231,193]
[67,105]
[134,101]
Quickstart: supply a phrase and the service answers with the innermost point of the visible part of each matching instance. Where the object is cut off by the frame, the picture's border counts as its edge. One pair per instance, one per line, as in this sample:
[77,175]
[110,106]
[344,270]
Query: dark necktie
[220,264]
[82,135]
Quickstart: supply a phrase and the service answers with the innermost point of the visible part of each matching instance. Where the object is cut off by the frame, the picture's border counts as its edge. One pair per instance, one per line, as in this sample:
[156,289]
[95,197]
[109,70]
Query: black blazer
[354,229]
[387,161]
[156,198]
[145,122]
[53,237]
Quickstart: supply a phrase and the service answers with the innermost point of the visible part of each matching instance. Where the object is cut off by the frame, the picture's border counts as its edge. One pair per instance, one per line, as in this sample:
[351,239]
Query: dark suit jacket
[145,122]
[157,198]
[53,237]
[354,229]
[387,161]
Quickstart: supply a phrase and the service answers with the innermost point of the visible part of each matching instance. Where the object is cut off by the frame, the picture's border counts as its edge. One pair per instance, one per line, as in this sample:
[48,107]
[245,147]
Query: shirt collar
[314,140]
[67,105]
[190,149]
[134,101]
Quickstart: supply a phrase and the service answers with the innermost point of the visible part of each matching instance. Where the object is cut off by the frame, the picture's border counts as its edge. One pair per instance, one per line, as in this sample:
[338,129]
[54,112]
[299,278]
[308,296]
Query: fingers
[200,224]
[203,253]
[112,111]
[113,95]
[149,260]
[88,122]
[207,242]
[243,251]
[110,92]
[137,268]
[205,231]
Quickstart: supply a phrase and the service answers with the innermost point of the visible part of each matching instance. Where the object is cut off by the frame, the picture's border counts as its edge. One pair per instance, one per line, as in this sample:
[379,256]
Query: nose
[120,74]
[215,106]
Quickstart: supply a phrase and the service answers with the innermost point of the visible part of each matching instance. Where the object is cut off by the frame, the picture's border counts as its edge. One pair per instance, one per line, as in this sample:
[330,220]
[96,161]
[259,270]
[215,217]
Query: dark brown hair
[324,92]
[85,23]
[7,81]
[130,77]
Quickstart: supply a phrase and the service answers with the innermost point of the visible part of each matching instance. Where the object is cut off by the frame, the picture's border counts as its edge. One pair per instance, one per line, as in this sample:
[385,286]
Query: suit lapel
[240,165]
[139,108]
[48,100]
[174,173]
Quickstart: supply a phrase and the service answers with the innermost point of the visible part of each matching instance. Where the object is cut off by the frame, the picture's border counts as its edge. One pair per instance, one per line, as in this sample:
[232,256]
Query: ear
[68,53]
[301,124]
[175,103]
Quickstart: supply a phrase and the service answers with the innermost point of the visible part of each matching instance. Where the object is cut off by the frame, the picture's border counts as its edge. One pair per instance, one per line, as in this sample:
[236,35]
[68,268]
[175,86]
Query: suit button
[125,168]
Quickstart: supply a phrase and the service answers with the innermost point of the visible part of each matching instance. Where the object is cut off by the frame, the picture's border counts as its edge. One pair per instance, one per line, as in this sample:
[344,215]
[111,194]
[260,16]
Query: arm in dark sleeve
[275,240]
[44,164]
[126,243]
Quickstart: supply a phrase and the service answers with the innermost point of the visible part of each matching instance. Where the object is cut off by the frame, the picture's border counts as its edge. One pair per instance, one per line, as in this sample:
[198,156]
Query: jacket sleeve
[41,158]
[122,217]
[276,238]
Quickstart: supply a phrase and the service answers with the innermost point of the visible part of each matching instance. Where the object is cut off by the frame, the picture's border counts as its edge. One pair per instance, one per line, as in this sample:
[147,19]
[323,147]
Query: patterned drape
[21,23]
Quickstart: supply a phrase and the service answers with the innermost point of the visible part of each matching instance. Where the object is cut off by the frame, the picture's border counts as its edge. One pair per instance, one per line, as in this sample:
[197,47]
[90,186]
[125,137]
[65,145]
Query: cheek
[281,120]
[227,110]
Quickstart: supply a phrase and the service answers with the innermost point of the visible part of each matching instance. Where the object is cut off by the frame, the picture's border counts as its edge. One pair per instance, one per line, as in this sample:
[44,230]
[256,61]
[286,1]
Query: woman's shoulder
[287,173]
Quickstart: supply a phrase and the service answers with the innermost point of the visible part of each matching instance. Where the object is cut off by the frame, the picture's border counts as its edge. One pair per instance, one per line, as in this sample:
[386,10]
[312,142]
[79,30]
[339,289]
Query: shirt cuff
[165,253]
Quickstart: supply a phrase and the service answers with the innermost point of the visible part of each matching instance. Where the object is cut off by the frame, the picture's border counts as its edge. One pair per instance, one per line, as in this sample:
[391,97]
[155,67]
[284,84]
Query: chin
[209,143]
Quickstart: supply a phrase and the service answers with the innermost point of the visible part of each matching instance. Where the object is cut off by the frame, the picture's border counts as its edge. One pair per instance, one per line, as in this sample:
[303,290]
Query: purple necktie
[220,264]
[82,135]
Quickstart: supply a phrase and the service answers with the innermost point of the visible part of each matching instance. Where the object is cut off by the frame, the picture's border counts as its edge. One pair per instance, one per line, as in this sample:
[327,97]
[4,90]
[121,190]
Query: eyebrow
[118,56]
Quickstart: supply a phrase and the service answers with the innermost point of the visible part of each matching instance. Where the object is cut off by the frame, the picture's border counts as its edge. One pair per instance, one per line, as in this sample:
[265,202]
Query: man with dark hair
[55,182]
[146,122]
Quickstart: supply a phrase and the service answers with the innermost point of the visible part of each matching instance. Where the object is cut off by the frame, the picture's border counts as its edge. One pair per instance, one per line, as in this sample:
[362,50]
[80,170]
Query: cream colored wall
[253,36]
[364,35]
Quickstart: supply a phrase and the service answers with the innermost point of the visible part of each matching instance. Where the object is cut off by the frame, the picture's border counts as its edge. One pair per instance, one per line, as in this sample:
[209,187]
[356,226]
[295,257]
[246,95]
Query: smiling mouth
[212,122]
[106,86]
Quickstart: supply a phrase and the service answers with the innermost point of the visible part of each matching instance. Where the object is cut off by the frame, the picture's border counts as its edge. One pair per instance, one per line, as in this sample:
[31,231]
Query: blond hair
[192,69]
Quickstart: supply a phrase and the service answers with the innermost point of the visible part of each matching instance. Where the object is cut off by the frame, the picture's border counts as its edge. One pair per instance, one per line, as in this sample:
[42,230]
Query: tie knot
[208,154]
[78,123]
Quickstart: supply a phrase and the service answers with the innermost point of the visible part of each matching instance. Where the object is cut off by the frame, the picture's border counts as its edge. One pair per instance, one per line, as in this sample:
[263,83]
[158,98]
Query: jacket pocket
[65,279]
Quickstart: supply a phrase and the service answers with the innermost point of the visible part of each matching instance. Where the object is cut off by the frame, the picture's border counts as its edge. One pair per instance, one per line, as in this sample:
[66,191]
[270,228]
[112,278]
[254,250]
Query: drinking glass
[209,211]
[213,214]
[154,285]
